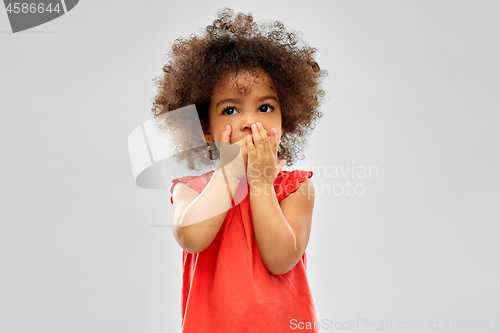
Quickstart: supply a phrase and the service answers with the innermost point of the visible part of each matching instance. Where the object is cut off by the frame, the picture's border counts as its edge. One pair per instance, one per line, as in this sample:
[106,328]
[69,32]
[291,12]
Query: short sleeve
[197,183]
[288,182]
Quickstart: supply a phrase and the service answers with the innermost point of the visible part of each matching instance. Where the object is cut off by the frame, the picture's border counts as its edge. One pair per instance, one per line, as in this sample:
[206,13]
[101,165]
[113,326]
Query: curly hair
[231,44]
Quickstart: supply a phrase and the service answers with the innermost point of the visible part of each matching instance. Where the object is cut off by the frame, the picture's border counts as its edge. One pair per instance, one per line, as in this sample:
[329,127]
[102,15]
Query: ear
[207,134]
[209,138]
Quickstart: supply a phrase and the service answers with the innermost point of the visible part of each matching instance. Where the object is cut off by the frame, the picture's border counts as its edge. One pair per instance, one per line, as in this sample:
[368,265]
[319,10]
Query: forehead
[244,82]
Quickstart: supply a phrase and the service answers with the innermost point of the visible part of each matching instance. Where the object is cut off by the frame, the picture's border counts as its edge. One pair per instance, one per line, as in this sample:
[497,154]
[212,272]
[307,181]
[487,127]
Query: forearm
[275,237]
[201,220]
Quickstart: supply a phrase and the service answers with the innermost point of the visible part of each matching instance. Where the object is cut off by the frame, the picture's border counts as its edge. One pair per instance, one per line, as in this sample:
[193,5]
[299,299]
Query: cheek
[218,133]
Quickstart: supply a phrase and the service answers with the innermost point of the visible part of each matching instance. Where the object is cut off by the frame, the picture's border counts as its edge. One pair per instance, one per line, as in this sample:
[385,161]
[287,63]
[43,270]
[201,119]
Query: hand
[233,157]
[263,167]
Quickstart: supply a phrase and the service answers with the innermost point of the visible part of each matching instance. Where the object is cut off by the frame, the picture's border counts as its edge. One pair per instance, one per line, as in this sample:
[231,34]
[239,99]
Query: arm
[198,217]
[282,229]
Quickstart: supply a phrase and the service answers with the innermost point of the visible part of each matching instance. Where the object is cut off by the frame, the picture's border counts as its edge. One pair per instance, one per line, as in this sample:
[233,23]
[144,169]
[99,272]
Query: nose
[247,121]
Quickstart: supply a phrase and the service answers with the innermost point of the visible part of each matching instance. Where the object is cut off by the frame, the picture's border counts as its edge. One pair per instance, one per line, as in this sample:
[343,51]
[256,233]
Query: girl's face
[230,105]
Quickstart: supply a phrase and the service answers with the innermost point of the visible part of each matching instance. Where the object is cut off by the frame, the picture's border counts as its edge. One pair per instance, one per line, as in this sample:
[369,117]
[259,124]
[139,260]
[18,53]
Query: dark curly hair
[232,44]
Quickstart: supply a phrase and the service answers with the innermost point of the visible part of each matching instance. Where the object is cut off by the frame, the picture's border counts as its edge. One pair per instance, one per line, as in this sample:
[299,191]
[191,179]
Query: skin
[252,120]
[242,109]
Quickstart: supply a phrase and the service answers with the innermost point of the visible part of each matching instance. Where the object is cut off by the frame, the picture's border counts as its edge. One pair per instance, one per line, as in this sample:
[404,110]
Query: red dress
[227,288]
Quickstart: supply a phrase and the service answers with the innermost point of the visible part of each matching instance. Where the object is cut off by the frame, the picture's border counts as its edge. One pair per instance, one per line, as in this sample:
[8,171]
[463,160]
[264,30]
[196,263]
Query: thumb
[280,165]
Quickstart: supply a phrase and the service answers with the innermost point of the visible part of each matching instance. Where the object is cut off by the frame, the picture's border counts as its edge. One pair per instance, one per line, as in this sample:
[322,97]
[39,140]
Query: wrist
[260,175]
[227,177]
[259,186]
[234,169]
[230,175]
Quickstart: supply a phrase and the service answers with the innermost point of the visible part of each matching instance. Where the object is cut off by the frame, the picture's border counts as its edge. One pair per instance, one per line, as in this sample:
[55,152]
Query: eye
[266,108]
[230,110]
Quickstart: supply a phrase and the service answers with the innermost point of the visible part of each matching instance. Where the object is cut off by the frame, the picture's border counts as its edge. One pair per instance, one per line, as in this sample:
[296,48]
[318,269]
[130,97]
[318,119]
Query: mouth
[244,137]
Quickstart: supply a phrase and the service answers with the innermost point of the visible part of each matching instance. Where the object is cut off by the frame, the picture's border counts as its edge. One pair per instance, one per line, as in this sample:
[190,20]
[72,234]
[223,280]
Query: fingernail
[227,127]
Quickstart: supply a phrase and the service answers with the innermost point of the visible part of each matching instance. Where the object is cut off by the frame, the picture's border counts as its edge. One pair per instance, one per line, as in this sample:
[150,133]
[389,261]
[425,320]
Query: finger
[257,138]
[228,152]
[226,134]
[251,150]
[265,139]
[280,165]
[274,141]
[225,138]
[242,143]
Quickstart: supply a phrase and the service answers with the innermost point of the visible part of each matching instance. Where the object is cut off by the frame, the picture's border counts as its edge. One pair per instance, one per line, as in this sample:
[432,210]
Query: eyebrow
[234,100]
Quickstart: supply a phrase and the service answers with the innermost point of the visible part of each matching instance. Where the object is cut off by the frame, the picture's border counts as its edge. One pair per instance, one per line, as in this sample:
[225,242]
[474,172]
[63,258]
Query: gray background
[413,90]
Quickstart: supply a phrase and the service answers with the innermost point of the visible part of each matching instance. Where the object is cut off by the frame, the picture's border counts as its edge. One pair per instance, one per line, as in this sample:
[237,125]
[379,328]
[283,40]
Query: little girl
[244,227]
